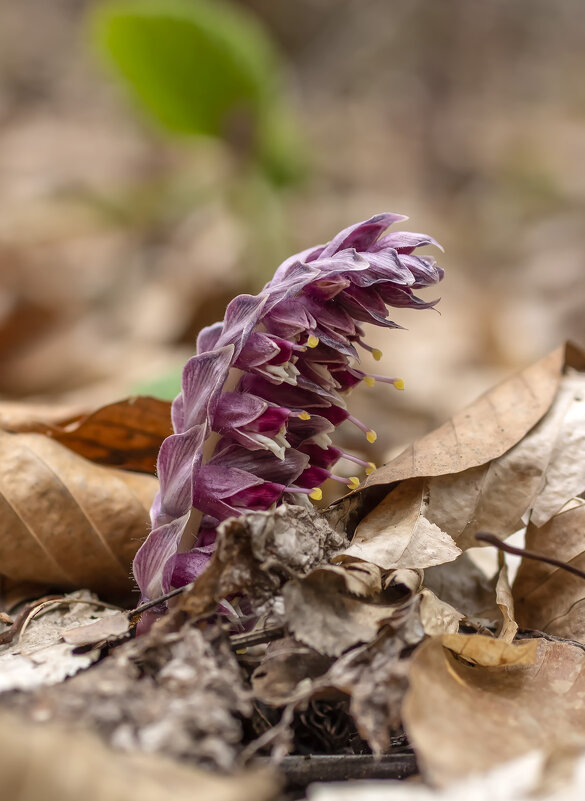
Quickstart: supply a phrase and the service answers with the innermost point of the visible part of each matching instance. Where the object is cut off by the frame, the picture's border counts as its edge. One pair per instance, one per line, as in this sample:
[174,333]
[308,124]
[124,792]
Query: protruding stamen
[399,383]
[368,466]
[304,416]
[316,494]
[353,482]
[312,341]
[371,435]
[377,354]
[369,380]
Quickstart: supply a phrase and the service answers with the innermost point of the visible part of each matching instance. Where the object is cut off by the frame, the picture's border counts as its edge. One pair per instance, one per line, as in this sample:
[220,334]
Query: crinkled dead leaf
[67,522]
[258,552]
[473,704]
[98,631]
[287,668]
[56,764]
[126,434]
[398,534]
[38,655]
[547,598]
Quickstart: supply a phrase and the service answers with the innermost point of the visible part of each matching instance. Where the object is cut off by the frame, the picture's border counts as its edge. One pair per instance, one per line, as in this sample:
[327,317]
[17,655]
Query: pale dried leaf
[287,669]
[438,617]
[397,534]
[463,718]
[67,522]
[57,764]
[547,598]
[489,652]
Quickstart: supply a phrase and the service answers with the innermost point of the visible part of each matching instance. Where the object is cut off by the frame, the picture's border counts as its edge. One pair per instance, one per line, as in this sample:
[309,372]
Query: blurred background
[127,221]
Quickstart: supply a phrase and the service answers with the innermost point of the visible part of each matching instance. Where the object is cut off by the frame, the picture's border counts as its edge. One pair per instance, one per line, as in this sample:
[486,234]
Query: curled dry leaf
[505,602]
[126,434]
[67,522]
[474,702]
[464,586]
[547,598]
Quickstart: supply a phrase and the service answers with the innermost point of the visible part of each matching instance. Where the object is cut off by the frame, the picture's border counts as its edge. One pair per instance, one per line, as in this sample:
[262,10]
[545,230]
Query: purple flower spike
[267,388]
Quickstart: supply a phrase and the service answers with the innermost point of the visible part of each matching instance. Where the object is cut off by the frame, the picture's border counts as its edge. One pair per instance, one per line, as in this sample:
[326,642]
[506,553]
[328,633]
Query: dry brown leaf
[67,522]
[547,598]
[488,427]
[125,434]
[464,718]
[57,764]
[286,668]
[98,631]
[397,534]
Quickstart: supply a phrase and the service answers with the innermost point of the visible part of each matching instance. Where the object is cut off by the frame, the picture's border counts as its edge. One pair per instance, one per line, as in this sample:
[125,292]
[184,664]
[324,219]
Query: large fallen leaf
[548,598]
[55,764]
[475,702]
[67,522]
[126,434]
[488,427]
[494,478]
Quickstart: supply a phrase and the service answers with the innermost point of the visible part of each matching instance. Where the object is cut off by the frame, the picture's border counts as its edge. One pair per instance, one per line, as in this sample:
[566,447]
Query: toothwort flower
[267,388]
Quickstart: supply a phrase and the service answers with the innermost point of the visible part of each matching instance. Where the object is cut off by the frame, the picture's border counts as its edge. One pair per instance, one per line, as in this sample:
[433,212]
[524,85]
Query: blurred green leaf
[166,386]
[202,67]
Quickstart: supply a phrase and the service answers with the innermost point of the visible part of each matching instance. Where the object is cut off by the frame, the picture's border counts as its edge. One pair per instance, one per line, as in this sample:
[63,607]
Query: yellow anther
[369,381]
[371,436]
[353,482]
[316,495]
[304,416]
[399,383]
[377,354]
[312,341]
[370,468]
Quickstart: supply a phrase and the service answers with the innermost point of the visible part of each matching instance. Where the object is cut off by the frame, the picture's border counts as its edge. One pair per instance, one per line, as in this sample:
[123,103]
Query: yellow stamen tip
[377,354]
[370,468]
[353,482]
[304,416]
[399,383]
[371,436]
[316,495]
[369,381]
[312,341]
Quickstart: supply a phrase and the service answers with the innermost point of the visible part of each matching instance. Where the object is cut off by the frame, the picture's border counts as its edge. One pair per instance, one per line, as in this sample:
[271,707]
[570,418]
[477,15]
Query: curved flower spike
[267,388]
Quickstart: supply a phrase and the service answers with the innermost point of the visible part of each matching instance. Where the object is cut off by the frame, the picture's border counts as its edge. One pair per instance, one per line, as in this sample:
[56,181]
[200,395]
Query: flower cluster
[267,388]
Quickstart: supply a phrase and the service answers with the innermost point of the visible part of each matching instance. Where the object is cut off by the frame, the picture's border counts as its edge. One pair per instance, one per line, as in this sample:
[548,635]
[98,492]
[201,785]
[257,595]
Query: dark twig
[538,557]
[248,639]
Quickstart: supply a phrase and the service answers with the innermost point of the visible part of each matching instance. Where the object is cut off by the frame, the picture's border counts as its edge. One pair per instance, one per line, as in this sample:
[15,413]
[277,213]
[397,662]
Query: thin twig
[248,639]
[538,557]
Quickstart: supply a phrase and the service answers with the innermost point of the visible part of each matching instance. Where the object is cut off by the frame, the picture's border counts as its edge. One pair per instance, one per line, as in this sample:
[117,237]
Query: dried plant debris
[34,653]
[180,694]
[43,761]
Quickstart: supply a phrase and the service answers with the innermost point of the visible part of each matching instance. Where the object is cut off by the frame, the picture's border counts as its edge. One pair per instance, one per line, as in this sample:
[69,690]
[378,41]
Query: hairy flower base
[267,388]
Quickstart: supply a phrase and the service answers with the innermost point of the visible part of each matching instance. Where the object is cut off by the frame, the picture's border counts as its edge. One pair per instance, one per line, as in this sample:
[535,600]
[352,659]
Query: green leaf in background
[202,67]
